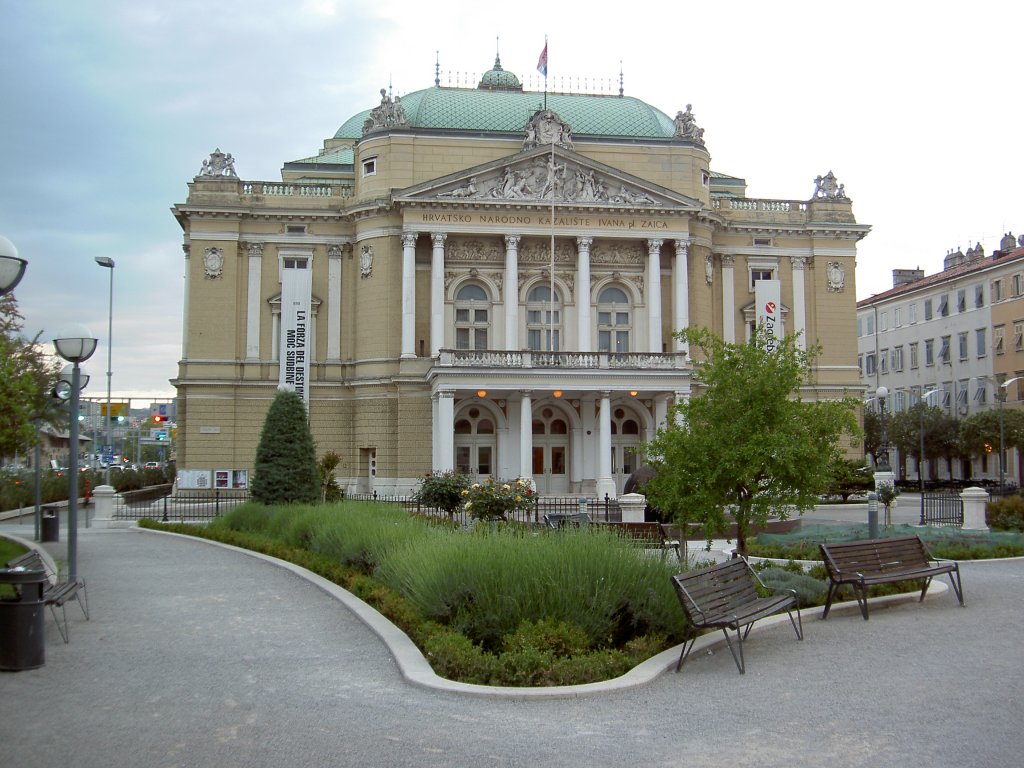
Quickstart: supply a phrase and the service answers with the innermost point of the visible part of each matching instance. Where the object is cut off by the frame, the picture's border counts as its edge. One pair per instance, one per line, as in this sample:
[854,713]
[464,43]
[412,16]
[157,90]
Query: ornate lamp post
[75,345]
[882,462]
[12,267]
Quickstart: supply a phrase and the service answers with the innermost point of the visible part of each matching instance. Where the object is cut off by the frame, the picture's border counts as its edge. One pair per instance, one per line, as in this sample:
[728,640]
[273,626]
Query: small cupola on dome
[497,79]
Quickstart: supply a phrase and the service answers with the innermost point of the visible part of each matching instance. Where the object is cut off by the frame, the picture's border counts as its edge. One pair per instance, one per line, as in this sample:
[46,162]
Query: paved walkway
[199,656]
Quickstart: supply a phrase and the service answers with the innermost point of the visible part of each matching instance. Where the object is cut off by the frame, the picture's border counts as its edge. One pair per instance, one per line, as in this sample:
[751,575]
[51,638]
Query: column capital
[526,392]
[728,260]
[584,243]
[438,238]
[512,241]
[654,245]
[445,393]
[683,246]
[799,262]
[256,249]
[335,251]
[409,239]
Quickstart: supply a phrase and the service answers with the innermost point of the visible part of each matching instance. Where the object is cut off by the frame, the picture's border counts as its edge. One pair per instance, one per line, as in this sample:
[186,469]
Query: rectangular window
[947,388]
[913,313]
[897,317]
[944,305]
[883,322]
[760,274]
[290,263]
[944,350]
[913,355]
[1018,336]
[763,241]
[962,344]
[981,393]
[929,351]
[869,364]
[961,392]
[871,324]
[979,336]
[883,361]
[997,339]
[860,364]
[370,166]
[927,309]
[897,359]
[997,291]
[1016,286]
[961,300]
[979,296]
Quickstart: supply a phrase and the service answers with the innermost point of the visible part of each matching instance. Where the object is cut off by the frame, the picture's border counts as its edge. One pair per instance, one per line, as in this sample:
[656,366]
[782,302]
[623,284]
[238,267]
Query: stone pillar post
[445,429]
[633,505]
[799,300]
[334,254]
[105,498]
[409,293]
[253,305]
[437,293]
[526,437]
[974,500]
[605,483]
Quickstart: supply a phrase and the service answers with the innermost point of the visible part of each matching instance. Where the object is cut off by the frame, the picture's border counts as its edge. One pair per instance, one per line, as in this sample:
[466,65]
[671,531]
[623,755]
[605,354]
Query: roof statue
[218,164]
[389,114]
[827,187]
[686,126]
[546,128]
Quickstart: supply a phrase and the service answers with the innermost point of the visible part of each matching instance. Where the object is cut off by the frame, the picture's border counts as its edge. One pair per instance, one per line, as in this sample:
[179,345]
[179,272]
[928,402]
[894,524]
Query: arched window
[472,317]
[543,319]
[614,320]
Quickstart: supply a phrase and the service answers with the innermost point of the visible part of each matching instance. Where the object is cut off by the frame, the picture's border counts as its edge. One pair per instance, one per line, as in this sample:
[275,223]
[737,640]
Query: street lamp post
[1002,431]
[108,263]
[882,463]
[920,457]
[76,346]
[12,267]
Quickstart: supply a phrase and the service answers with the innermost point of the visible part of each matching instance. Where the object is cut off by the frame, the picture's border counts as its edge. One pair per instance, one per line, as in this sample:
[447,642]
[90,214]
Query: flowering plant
[443,490]
[494,500]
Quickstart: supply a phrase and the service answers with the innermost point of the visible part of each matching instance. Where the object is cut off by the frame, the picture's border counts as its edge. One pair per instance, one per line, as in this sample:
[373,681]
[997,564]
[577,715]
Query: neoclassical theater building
[488,279]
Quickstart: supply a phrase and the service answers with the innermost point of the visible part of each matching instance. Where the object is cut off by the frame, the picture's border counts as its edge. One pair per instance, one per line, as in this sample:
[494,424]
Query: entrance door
[475,444]
[625,439]
[550,452]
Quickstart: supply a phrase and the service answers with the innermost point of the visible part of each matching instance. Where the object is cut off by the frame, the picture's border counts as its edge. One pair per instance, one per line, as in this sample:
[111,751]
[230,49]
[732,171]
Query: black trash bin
[51,524]
[21,619]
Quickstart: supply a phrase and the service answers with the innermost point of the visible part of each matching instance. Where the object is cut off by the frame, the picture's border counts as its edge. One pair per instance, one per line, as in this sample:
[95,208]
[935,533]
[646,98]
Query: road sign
[116,409]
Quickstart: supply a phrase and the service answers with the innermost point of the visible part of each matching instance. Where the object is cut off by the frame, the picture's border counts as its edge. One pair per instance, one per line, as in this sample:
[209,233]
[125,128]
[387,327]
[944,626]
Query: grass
[8,551]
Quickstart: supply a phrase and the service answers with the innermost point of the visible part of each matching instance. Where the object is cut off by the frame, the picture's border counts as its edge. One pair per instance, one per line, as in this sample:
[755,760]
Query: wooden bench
[57,593]
[726,596]
[863,564]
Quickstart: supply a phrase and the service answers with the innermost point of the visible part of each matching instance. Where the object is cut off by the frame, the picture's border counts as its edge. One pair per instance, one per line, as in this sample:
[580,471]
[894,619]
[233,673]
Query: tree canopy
[286,469]
[27,376]
[747,446]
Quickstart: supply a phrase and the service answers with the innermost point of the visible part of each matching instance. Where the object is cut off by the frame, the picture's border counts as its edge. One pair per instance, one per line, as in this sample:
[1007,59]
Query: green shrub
[443,491]
[285,470]
[1006,514]
[809,590]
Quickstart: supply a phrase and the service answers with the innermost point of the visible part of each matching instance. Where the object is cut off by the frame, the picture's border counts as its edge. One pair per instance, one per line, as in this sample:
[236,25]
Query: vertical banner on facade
[296,289]
[768,300]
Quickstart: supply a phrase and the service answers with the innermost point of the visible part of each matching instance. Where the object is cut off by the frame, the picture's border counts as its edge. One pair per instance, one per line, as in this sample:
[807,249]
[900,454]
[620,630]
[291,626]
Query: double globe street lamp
[76,345]
[12,266]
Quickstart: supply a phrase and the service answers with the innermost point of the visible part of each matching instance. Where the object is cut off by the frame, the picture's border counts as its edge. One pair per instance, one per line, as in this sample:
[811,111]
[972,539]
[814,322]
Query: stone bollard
[974,500]
[633,505]
[104,496]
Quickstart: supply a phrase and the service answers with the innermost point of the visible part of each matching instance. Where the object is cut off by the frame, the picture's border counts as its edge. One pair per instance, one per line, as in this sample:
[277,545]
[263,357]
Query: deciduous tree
[747,446]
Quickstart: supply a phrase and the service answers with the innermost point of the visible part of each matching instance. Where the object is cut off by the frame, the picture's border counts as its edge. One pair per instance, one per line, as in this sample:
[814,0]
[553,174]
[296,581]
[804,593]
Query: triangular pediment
[543,175]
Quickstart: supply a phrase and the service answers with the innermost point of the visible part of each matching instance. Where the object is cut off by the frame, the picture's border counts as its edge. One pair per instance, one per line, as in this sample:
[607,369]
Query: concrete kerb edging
[416,670]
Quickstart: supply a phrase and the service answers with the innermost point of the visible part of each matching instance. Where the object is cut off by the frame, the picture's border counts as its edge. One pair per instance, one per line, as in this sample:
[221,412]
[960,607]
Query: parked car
[152,465]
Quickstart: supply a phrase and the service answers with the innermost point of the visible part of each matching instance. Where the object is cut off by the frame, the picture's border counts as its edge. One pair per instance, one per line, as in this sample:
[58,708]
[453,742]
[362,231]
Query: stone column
[253,305]
[660,411]
[511,291]
[605,483]
[681,293]
[445,428]
[654,296]
[799,300]
[409,293]
[334,254]
[526,436]
[583,341]
[105,498]
[728,299]
[437,293]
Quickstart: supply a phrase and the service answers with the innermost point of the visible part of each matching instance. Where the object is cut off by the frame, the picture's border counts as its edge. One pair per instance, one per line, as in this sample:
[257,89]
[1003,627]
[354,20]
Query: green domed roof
[508,111]
[497,79]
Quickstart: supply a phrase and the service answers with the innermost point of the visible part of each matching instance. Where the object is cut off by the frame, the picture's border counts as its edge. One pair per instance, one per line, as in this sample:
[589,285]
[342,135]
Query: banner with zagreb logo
[768,300]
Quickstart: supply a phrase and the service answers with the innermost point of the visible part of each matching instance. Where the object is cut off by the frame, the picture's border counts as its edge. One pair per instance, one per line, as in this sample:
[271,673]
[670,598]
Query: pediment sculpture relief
[545,178]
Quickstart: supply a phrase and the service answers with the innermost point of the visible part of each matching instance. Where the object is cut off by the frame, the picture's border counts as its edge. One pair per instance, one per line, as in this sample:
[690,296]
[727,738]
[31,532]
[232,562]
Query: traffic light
[157,418]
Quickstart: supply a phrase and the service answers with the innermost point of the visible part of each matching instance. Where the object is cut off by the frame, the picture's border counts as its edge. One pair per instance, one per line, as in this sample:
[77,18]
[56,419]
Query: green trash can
[22,612]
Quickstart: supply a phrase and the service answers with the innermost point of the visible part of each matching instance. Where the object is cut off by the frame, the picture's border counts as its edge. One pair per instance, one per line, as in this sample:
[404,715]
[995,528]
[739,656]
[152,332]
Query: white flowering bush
[495,500]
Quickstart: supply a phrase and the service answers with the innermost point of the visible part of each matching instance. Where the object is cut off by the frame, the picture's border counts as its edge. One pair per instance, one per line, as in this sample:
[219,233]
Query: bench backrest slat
[875,556]
[716,589]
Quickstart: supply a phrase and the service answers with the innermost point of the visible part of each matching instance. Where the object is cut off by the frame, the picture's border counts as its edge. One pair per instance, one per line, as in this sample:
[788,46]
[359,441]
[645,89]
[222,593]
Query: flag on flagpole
[542,62]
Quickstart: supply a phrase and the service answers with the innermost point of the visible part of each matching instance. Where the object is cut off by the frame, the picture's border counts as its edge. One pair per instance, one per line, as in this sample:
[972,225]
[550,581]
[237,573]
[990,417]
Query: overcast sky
[109,108]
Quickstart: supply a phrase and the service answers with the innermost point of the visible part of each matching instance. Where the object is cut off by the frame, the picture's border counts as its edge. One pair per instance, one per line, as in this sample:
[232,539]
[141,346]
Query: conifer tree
[286,469]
